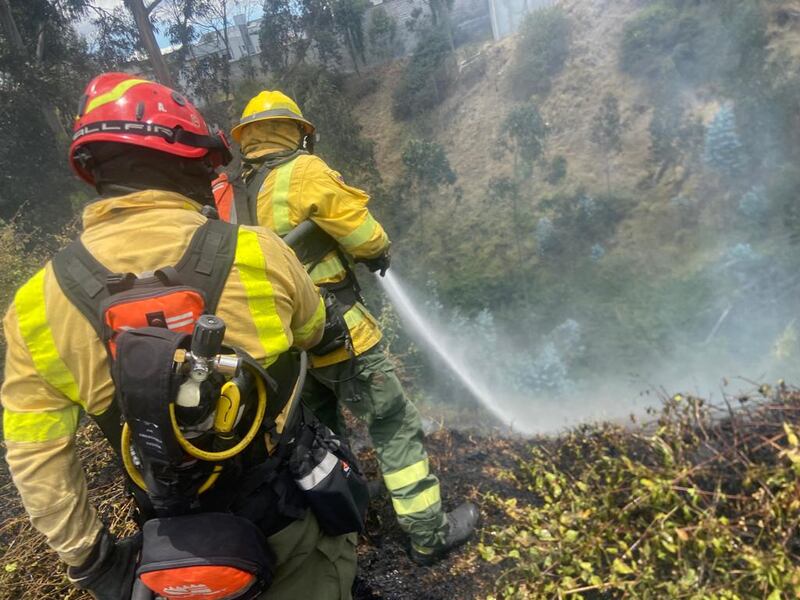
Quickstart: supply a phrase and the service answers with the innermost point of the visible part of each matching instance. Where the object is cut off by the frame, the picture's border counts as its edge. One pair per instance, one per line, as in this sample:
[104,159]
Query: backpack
[172,297]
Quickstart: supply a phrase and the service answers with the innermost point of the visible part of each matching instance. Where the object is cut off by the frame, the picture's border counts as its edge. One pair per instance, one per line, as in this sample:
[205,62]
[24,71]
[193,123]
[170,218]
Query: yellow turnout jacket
[57,367]
[307,188]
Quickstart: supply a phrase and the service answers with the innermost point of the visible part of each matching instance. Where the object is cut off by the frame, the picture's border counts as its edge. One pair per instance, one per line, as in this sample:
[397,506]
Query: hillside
[466,124]
[674,255]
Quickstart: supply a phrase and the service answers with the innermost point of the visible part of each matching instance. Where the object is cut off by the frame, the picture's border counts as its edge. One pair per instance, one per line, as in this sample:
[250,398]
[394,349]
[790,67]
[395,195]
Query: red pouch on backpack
[207,556]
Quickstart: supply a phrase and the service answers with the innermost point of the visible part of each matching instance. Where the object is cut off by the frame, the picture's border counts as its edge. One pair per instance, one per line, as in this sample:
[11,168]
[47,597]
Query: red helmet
[117,107]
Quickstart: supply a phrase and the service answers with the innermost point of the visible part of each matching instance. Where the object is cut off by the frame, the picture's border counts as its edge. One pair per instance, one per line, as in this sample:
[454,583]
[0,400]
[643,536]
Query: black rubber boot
[461,524]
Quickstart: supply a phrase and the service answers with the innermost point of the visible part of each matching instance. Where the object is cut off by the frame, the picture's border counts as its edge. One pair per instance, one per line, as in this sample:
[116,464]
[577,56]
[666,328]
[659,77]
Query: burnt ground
[469,466]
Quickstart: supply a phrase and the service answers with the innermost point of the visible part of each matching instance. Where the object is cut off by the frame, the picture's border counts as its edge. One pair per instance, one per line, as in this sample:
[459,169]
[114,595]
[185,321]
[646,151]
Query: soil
[468,466]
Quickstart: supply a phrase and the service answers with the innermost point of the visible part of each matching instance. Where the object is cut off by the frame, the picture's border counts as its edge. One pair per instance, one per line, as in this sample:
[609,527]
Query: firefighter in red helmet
[151,157]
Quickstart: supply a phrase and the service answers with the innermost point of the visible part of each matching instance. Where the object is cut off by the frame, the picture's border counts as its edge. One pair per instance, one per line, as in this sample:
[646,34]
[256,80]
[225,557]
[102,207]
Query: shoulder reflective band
[360,235]
[32,427]
[32,317]
[280,198]
[314,323]
[318,473]
[420,502]
[410,475]
[249,261]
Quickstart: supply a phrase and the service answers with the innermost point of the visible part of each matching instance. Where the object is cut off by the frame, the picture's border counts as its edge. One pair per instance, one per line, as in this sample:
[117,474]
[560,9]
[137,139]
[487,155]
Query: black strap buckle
[120,282]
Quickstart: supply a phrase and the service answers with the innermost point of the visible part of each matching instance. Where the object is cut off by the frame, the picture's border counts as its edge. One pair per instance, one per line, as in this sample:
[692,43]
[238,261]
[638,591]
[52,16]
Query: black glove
[379,263]
[109,571]
[336,334]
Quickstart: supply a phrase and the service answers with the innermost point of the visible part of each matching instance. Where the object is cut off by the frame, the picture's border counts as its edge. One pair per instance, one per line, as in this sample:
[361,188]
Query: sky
[86,29]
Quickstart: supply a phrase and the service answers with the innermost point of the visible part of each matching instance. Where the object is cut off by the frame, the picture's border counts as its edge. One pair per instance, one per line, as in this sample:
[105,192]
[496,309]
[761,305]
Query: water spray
[434,339]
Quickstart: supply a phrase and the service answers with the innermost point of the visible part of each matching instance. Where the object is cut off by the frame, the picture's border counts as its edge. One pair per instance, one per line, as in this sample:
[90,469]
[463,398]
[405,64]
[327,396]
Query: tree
[44,67]
[290,29]
[382,33]
[723,149]
[607,132]
[349,15]
[502,190]
[427,169]
[117,38]
[440,14]
[141,15]
[280,34]
[19,51]
[523,132]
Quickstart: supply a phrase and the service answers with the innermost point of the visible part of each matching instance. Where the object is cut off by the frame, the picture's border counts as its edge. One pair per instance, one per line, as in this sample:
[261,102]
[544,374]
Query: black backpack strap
[83,279]
[246,188]
[208,260]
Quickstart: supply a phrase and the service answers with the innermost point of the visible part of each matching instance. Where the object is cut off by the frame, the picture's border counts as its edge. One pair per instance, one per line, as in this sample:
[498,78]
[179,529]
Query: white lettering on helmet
[124,126]
[161,107]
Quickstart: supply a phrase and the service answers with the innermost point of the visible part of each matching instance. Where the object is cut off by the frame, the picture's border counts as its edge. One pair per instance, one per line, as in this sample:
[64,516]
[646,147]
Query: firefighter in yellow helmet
[283,186]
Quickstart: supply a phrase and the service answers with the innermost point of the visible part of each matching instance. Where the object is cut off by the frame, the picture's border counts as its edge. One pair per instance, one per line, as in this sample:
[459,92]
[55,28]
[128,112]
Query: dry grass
[29,570]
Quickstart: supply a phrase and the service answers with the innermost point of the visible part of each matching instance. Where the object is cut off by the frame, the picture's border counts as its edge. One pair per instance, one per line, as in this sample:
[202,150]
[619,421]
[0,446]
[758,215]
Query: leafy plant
[425,80]
[523,132]
[557,170]
[382,33]
[542,51]
[696,505]
[723,149]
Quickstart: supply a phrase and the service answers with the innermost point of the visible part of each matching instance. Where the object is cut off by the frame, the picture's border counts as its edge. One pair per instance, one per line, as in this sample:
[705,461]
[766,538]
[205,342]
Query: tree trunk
[142,17]
[523,283]
[49,112]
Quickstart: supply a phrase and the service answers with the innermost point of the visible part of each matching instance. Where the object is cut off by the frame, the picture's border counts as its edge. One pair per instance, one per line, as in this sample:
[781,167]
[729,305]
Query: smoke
[674,269]
[530,390]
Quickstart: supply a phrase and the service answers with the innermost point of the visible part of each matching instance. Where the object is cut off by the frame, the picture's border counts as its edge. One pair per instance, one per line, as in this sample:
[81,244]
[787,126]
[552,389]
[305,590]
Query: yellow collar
[105,209]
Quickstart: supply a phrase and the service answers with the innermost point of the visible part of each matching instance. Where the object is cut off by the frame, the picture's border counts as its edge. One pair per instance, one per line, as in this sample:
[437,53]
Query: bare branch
[40,43]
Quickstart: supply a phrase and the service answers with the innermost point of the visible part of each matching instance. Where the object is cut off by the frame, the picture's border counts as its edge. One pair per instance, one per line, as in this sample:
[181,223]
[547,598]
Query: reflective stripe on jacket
[56,365]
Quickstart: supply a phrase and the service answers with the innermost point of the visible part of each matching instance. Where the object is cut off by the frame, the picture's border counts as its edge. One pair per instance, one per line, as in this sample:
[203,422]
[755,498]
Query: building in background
[472,21]
[507,15]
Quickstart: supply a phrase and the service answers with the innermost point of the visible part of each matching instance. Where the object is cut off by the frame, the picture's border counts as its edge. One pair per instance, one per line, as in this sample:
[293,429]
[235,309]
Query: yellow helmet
[269,106]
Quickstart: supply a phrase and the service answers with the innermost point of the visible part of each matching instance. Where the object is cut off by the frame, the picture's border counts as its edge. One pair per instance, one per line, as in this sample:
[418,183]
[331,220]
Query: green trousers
[370,389]
[311,565]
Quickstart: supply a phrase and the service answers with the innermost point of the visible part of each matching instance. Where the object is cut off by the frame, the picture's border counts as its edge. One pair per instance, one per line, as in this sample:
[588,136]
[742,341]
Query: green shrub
[543,49]
[523,132]
[426,164]
[425,81]
[657,40]
[696,505]
[556,170]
